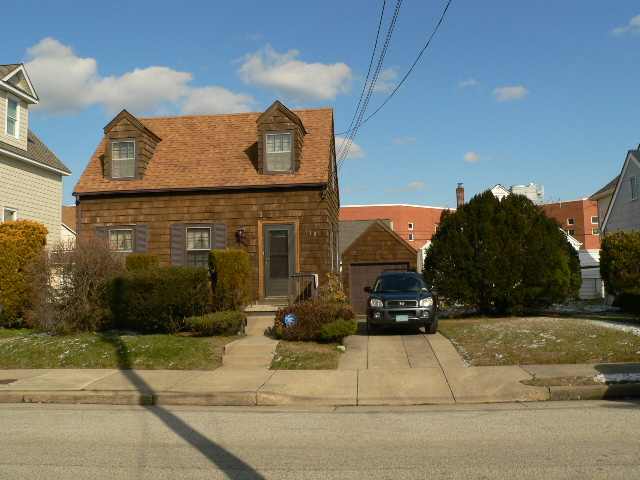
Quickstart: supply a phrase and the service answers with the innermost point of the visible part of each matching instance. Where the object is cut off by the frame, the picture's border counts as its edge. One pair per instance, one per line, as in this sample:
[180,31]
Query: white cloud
[632,27]
[216,100]
[67,83]
[510,93]
[404,140]
[469,82]
[293,78]
[386,81]
[471,157]
[355,151]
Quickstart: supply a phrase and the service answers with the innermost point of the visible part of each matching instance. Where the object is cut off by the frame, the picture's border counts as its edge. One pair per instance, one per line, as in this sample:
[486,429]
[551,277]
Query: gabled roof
[8,73]
[350,230]
[37,153]
[69,217]
[290,114]
[605,191]
[133,120]
[632,155]
[382,225]
[203,152]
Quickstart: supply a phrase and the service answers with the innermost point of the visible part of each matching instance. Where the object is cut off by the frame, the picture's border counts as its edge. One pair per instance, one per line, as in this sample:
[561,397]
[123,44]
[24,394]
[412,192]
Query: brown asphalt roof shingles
[216,152]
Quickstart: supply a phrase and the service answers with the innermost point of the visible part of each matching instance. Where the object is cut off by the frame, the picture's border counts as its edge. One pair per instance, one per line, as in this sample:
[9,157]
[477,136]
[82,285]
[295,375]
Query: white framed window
[121,240]
[13,117]
[198,246]
[571,232]
[123,159]
[9,214]
[595,220]
[595,231]
[278,150]
[411,238]
[410,225]
[571,221]
[635,187]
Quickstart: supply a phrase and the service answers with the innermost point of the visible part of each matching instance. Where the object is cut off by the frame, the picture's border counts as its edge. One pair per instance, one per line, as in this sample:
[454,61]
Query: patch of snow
[617,326]
[617,377]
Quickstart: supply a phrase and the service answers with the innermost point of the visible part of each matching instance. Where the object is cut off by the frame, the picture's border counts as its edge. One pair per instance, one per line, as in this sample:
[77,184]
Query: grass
[539,340]
[26,349]
[305,356]
[561,382]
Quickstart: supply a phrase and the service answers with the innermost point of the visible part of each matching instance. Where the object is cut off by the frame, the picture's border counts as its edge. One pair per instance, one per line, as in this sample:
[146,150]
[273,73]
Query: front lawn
[26,349]
[541,340]
[305,356]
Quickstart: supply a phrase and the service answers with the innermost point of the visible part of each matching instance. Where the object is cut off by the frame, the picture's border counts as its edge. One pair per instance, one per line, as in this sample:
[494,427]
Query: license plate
[402,318]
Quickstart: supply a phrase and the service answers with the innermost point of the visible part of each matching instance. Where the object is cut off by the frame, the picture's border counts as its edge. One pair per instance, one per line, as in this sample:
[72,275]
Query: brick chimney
[460,195]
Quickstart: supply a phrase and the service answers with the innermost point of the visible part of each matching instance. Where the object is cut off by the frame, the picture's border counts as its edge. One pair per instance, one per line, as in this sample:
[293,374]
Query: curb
[595,392]
[75,397]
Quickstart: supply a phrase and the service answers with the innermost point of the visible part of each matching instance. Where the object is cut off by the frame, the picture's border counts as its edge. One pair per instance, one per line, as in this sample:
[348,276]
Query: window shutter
[178,244]
[101,234]
[141,238]
[219,240]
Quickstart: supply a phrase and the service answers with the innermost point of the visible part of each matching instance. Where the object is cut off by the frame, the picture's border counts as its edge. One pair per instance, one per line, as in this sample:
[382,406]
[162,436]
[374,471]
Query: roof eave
[65,173]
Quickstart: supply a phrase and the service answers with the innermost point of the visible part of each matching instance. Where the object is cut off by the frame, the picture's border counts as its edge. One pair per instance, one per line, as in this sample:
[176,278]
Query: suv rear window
[399,283]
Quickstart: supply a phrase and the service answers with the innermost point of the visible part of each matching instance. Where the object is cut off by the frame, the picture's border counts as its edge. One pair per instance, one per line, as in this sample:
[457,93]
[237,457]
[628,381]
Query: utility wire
[366,81]
[415,62]
[372,84]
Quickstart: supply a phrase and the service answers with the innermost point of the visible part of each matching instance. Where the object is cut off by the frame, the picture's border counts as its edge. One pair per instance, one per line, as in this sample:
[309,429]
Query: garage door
[364,275]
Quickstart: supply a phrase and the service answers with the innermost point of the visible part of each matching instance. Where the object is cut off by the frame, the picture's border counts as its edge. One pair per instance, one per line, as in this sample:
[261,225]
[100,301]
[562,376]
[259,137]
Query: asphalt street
[545,440]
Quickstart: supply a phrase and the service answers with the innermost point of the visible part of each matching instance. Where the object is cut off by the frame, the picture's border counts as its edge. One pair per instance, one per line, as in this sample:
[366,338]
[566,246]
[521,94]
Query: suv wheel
[431,327]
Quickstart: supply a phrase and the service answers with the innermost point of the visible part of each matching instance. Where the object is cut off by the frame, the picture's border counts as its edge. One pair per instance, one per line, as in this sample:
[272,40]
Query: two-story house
[176,187]
[30,174]
[619,200]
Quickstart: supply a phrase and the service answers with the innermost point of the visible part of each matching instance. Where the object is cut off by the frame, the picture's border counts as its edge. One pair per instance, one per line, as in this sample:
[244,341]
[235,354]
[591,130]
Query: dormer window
[279,156]
[12,117]
[123,159]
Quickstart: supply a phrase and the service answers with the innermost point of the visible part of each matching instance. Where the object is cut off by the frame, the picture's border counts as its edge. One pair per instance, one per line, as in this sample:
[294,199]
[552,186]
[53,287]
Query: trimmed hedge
[620,268]
[141,261]
[229,322]
[230,278]
[311,317]
[159,299]
[337,330]
[21,242]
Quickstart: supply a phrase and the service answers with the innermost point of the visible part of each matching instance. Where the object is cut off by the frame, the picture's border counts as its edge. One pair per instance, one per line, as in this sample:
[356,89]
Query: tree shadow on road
[232,466]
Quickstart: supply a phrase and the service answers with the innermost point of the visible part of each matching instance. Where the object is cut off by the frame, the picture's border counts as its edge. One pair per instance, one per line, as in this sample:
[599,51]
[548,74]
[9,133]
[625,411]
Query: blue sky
[509,92]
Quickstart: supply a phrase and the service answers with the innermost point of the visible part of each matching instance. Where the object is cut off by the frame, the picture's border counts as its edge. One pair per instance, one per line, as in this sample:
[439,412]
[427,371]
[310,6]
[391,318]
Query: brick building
[579,218]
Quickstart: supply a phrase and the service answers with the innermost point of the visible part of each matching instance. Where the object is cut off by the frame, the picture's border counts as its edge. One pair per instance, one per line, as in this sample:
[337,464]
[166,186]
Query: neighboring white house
[68,226]
[592,285]
[30,173]
[532,191]
[620,199]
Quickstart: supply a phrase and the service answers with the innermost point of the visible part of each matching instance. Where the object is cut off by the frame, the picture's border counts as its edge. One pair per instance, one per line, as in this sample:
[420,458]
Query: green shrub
[158,300]
[141,261]
[311,316]
[230,278]
[21,242]
[228,322]
[501,256]
[338,329]
[620,263]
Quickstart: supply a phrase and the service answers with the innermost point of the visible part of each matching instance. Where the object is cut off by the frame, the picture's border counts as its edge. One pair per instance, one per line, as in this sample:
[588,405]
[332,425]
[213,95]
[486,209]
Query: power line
[372,84]
[364,87]
[415,62]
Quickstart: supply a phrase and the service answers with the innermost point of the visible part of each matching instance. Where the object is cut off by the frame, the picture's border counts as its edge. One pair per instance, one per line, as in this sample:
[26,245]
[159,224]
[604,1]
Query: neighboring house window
[635,188]
[410,225]
[198,246]
[121,240]
[9,215]
[435,227]
[123,159]
[411,236]
[12,117]
[279,157]
[595,231]
[594,220]
[571,232]
[571,221]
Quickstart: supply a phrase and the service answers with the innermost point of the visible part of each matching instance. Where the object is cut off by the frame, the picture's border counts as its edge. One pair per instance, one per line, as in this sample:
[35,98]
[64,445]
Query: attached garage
[368,248]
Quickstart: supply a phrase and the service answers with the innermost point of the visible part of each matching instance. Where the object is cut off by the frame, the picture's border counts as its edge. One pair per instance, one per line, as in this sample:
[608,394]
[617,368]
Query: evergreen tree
[501,256]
